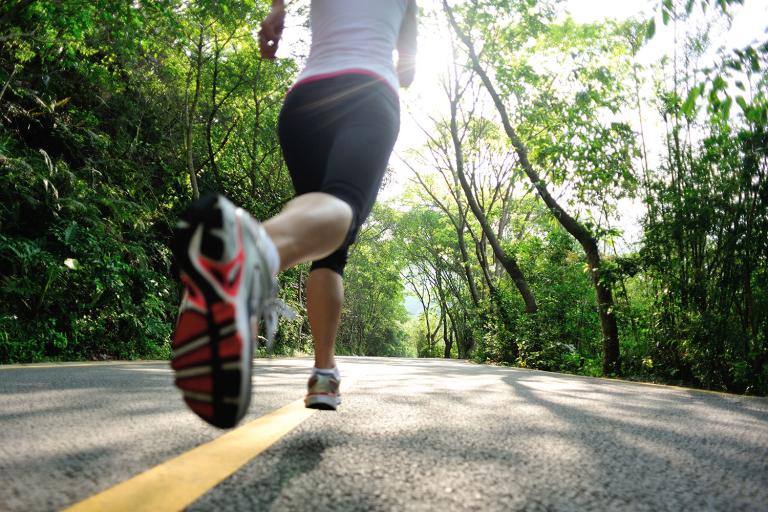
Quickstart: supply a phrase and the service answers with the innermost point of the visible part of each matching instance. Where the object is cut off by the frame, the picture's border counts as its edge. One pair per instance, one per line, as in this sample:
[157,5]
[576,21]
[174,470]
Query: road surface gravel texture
[410,435]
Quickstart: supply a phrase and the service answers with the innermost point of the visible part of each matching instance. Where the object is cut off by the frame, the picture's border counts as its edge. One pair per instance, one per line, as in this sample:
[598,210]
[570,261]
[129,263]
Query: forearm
[407,42]
[407,45]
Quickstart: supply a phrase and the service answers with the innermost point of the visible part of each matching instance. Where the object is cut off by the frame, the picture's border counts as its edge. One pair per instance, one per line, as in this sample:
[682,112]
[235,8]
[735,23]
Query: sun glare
[424,100]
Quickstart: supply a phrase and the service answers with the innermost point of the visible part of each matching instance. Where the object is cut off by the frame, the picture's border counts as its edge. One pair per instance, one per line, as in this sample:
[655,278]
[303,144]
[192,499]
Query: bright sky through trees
[426,97]
[435,53]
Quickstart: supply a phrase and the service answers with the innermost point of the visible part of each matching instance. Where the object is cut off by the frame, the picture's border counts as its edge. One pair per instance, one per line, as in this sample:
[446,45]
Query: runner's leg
[336,137]
[310,227]
[325,297]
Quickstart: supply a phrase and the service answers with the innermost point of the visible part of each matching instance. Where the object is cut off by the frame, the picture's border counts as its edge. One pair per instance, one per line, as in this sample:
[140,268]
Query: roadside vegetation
[511,234]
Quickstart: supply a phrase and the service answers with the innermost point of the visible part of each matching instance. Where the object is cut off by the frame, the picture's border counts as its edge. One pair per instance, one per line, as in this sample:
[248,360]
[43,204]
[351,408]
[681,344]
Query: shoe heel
[323,403]
[202,211]
[210,372]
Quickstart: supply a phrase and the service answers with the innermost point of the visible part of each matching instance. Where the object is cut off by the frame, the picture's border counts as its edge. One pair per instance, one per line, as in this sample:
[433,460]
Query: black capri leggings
[337,134]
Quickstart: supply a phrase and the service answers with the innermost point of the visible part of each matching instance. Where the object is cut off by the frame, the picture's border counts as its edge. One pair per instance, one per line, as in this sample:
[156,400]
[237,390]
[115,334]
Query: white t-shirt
[354,36]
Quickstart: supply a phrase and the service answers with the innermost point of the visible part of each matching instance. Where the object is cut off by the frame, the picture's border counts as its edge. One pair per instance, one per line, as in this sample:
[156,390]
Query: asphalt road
[410,435]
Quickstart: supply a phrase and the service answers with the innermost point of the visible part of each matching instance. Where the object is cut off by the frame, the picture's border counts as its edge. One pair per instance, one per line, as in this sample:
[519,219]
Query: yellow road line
[179,482]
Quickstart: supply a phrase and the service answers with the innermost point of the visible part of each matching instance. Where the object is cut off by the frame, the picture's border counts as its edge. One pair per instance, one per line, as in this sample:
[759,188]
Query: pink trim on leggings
[351,71]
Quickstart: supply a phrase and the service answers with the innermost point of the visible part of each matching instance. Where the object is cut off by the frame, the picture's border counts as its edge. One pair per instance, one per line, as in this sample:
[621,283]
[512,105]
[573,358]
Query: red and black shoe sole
[208,349]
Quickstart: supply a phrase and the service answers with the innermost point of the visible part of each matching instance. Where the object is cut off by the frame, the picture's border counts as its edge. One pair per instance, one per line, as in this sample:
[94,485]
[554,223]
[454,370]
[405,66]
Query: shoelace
[272,309]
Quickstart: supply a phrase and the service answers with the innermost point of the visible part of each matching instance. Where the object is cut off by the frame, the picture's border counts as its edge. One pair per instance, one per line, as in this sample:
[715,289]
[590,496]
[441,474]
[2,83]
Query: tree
[704,231]
[581,232]
[374,315]
[94,167]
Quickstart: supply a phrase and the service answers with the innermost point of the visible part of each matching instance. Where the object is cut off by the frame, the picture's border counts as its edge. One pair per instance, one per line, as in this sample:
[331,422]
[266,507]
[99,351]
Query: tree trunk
[580,233]
[189,114]
[504,219]
[604,294]
[508,262]
[465,260]
[446,339]
[460,225]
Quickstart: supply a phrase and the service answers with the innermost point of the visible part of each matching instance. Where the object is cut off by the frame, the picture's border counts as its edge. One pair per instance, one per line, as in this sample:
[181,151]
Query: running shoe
[323,392]
[221,252]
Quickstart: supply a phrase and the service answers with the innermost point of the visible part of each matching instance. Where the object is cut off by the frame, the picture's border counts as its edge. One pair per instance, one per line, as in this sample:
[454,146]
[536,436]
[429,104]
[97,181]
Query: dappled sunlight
[581,436]
[551,384]
[439,427]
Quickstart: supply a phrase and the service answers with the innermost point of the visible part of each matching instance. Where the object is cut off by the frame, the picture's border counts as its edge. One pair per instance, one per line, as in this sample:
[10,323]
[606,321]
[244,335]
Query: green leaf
[726,107]
[754,60]
[718,84]
[69,233]
[667,8]
[753,115]
[690,102]
[650,30]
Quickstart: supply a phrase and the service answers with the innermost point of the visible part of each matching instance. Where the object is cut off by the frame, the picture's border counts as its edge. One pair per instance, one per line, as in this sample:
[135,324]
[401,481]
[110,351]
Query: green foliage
[704,241]
[78,279]
[672,9]
[374,316]
[690,298]
[564,335]
[92,162]
[710,313]
[112,115]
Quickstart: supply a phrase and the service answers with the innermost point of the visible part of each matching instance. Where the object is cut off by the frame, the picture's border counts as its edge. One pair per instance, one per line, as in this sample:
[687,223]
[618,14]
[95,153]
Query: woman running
[337,128]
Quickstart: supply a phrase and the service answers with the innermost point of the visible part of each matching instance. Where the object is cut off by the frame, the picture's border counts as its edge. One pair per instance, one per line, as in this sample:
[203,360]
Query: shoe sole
[321,402]
[211,357]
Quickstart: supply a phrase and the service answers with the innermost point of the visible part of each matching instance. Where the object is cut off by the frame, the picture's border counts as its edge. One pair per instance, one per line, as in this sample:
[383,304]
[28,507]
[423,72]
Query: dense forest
[509,231]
